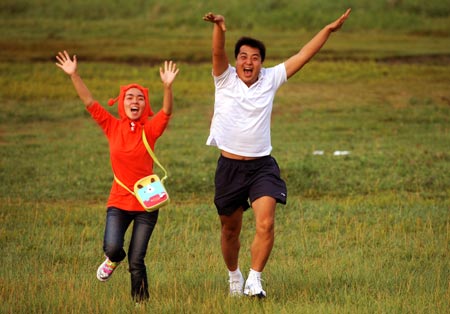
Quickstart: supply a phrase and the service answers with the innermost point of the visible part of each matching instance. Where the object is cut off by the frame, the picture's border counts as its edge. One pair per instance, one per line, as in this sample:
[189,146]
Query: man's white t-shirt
[242,114]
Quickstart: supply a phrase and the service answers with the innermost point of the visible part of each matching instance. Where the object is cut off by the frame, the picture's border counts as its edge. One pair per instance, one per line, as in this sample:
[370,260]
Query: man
[240,128]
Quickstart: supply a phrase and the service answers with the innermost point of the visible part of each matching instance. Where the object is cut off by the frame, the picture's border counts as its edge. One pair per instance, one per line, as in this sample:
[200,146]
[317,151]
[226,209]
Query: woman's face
[134,103]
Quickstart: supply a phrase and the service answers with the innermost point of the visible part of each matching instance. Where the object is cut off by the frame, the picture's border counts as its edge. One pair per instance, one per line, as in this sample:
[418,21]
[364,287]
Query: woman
[130,162]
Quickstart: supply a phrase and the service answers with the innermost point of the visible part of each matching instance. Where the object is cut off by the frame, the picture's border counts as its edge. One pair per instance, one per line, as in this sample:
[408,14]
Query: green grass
[138,31]
[394,15]
[364,233]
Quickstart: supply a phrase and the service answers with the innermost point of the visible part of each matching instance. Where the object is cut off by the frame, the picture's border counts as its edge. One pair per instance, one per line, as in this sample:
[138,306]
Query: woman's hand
[66,64]
[169,73]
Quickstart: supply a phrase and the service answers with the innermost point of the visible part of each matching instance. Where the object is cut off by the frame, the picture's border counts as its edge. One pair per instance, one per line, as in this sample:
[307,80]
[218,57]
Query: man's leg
[231,229]
[264,209]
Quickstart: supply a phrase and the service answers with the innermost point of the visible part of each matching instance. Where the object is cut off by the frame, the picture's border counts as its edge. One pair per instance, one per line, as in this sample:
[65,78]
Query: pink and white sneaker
[106,269]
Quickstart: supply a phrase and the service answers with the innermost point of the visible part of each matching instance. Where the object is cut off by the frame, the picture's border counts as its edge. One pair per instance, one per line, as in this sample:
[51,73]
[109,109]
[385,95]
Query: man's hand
[340,21]
[217,19]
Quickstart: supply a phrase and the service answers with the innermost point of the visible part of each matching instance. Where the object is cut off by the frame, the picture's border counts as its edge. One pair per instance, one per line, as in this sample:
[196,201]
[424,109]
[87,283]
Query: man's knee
[265,226]
[230,232]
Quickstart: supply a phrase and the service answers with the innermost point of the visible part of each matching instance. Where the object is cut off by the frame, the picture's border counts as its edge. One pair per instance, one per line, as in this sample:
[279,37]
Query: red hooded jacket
[130,160]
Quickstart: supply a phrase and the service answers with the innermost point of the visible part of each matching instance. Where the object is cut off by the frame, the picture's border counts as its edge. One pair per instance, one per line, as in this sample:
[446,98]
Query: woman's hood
[147,110]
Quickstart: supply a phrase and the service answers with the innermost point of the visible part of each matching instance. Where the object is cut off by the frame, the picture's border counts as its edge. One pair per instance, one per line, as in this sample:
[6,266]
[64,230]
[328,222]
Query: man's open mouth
[248,71]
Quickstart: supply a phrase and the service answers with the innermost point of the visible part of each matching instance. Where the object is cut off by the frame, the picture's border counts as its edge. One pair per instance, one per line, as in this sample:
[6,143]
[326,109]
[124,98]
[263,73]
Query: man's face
[134,103]
[248,64]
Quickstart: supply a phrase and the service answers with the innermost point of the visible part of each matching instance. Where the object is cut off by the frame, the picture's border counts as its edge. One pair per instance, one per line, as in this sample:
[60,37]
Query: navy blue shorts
[239,181]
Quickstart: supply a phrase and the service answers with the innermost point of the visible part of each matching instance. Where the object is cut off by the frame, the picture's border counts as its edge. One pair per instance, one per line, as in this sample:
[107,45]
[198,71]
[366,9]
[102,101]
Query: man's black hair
[254,43]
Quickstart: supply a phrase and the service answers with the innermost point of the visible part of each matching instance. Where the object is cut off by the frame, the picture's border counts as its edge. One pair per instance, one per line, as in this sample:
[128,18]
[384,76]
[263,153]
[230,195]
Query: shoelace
[235,282]
[258,283]
[109,267]
[255,286]
[236,286]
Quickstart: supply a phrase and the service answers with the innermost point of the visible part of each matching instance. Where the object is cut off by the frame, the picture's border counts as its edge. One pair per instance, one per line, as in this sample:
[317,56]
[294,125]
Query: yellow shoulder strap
[152,154]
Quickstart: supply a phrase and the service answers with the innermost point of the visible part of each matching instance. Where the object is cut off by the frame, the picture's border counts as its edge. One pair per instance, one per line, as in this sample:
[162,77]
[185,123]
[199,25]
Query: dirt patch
[438,59]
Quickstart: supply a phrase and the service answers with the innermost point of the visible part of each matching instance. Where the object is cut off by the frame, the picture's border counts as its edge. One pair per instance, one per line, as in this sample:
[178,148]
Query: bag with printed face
[151,193]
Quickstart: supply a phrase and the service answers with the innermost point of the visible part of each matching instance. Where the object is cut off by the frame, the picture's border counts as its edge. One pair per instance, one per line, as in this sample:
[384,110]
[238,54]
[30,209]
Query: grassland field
[367,232]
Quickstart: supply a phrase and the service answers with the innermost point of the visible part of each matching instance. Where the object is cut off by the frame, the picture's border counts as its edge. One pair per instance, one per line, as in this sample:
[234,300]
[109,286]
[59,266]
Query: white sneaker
[253,288]
[236,286]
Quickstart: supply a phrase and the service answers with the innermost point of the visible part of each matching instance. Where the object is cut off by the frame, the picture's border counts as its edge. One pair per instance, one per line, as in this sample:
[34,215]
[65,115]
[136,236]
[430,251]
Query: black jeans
[117,223]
